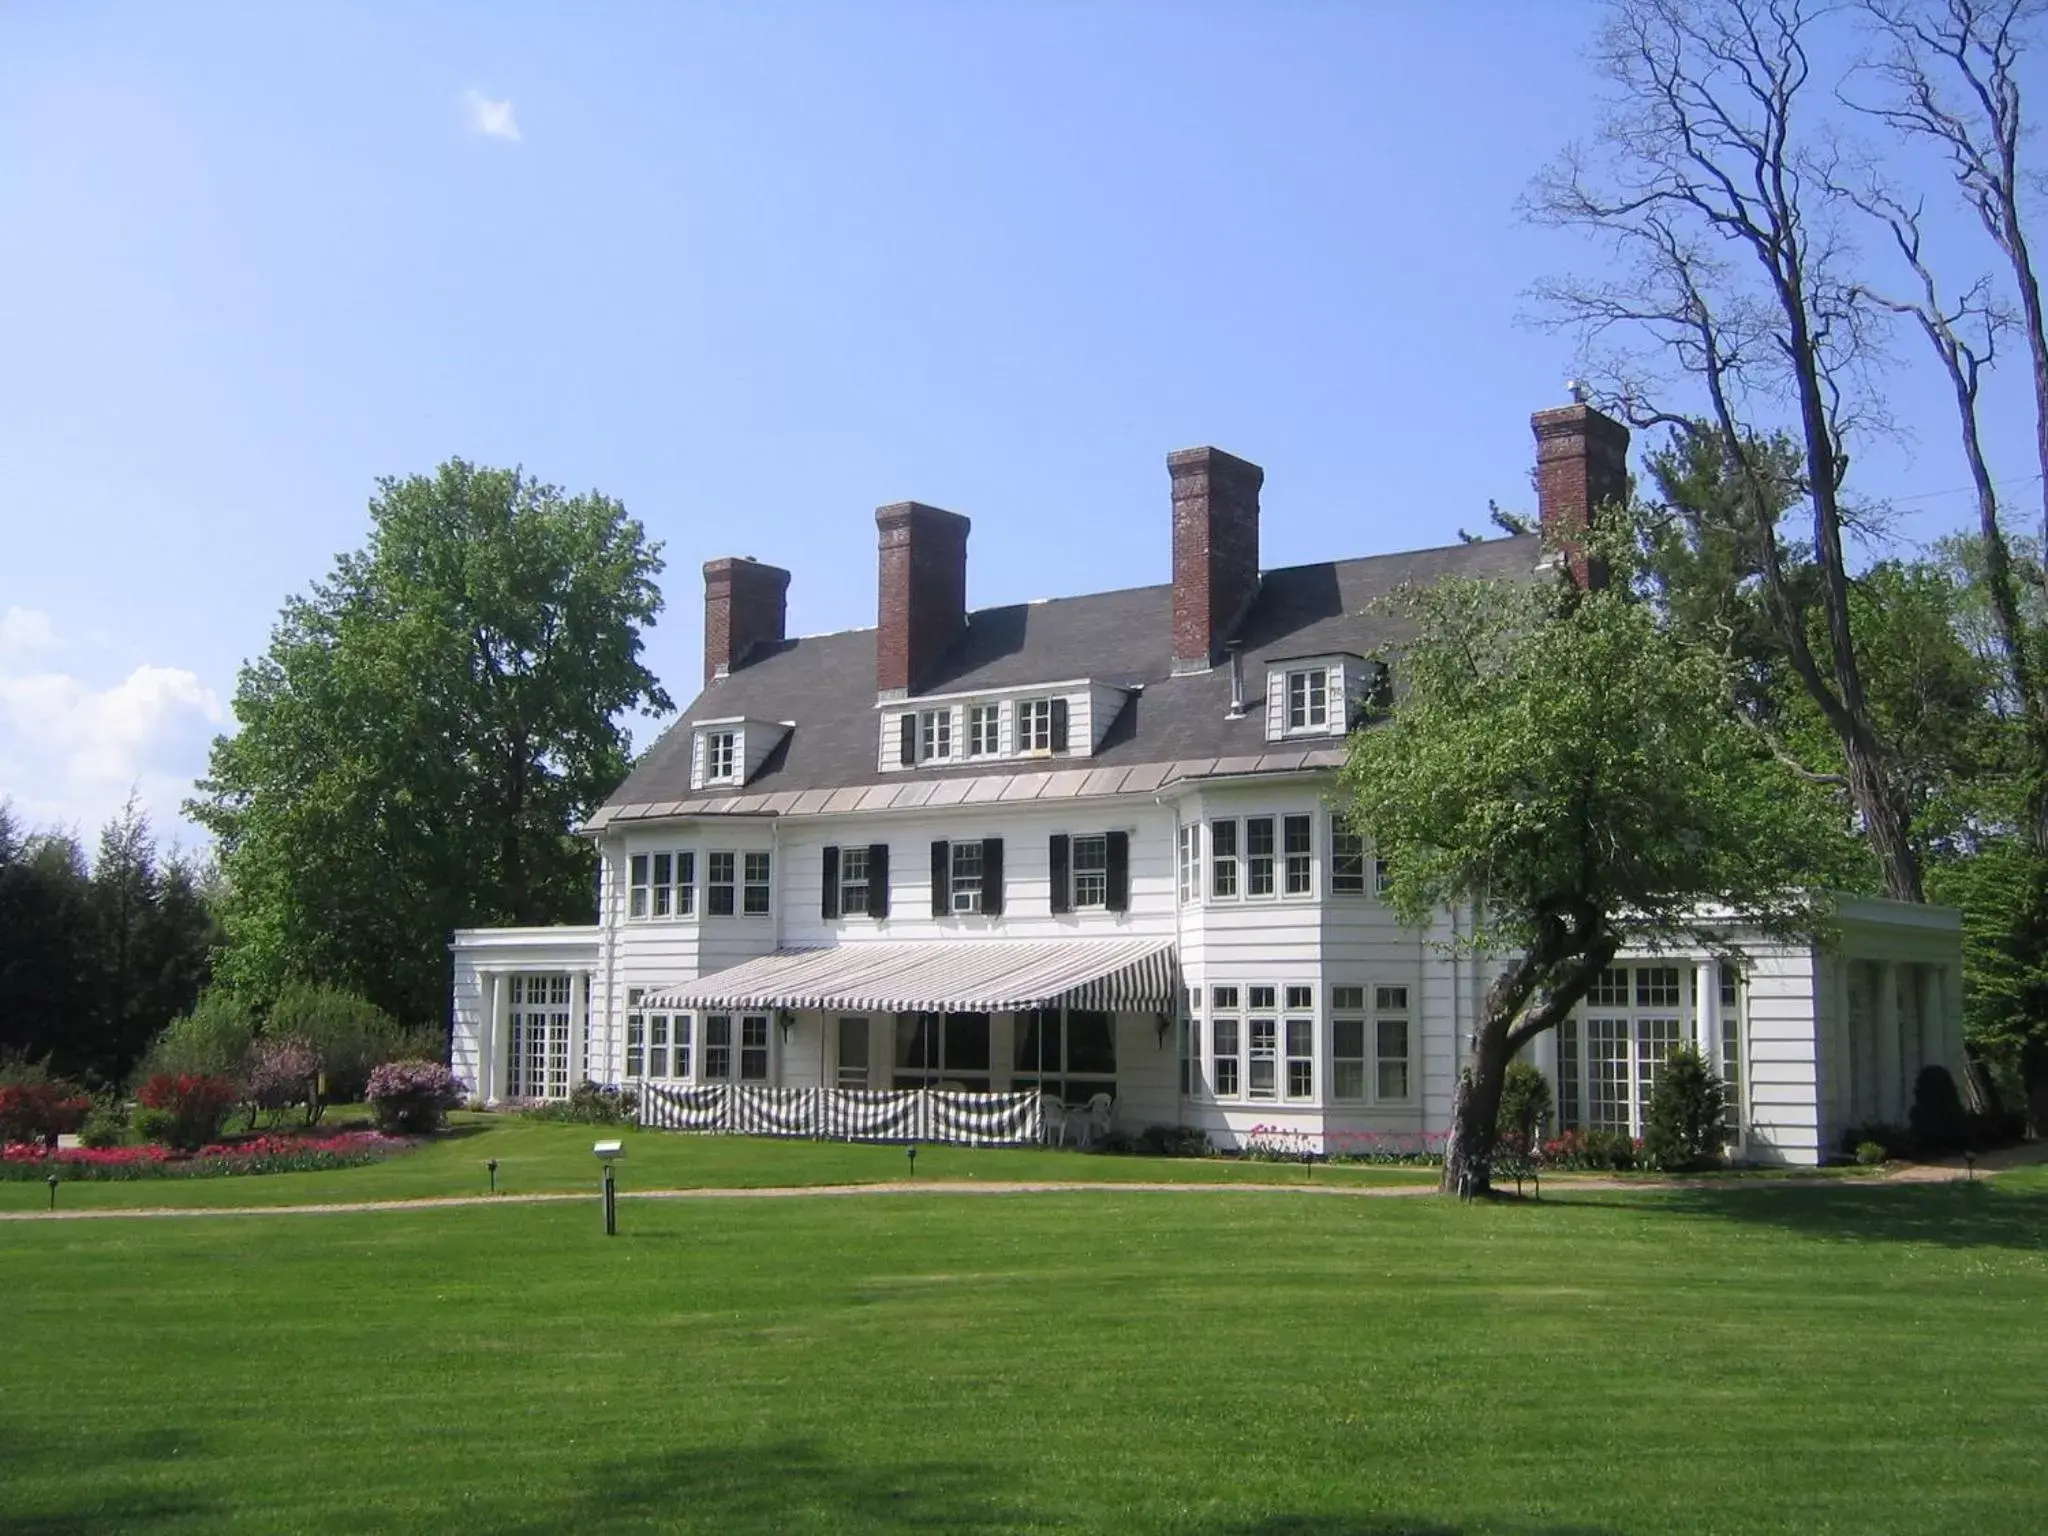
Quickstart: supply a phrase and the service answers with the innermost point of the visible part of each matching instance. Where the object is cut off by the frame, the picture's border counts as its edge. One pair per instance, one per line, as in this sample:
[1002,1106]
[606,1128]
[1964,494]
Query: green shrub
[1174,1141]
[1896,1140]
[104,1127]
[412,1097]
[196,1106]
[1940,1123]
[589,1104]
[1526,1106]
[211,1041]
[347,1034]
[1590,1152]
[155,1127]
[1682,1131]
[1870,1153]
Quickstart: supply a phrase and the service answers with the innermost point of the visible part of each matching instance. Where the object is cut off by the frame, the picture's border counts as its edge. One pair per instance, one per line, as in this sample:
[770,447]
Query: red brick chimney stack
[1581,466]
[1215,550]
[745,608]
[923,603]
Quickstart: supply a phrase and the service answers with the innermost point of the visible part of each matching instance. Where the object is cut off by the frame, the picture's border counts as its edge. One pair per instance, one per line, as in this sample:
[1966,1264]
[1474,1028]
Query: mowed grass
[536,1157]
[1853,1359]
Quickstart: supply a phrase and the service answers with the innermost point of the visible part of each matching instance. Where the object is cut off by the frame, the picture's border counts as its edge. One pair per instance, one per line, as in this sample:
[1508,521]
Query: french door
[537,1065]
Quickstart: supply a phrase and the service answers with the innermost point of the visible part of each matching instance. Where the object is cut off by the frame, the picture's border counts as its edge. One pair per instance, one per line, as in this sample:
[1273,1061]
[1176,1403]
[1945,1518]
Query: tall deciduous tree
[1567,770]
[1732,295]
[425,731]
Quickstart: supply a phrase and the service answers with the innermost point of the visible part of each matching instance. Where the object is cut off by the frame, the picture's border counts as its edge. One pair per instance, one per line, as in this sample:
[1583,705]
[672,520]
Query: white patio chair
[1097,1119]
[1052,1119]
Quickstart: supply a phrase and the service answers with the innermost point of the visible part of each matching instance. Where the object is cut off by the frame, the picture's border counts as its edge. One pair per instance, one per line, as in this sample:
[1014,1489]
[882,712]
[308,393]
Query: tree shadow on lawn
[1957,1215]
[87,1460]
[794,1484]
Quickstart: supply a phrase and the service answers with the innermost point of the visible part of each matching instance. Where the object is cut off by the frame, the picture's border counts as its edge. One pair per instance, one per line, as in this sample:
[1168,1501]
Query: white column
[579,1026]
[1706,1014]
[499,1031]
[1933,1022]
[486,1033]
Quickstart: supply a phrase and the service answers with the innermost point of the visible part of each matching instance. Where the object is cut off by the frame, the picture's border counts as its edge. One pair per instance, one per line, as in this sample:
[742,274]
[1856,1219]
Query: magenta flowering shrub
[258,1154]
[413,1096]
[282,1073]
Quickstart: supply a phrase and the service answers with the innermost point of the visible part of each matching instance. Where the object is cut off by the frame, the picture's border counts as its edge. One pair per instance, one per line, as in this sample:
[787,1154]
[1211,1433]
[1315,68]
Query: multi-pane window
[721,756]
[1609,1063]
[1258,856]
[853,1053]
[661,884]
[680,1033]
[853,878]
[1382,876]
[718,1047]
[754,898]
[1392,1043]
[1069,1053]
[1568,1073]
[1347,1043]
[1223,1036]
[1190,1056]
[754,1048]
[936,1050]
[537,1063]
[636,885]
[1034,725]
[966,876]
[1298,1036]
[984,730]
[1731,1046]
[935,735]
[1223,858]
[751,1055]
[1190,871]
[1308,699]
[1262,1045]
[1347,860]
[1091,871]
[1297,845]
[720,887]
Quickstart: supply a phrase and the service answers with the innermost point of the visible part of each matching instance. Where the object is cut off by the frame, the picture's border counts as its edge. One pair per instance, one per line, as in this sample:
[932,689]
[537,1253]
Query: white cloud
[492,119]
[70,752]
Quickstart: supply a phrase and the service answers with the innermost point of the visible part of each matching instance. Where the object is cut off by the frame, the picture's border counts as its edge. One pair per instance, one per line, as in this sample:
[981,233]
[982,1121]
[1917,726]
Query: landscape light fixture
[913,1159]
[53,1191]
[608,1153]
[492,1164]
[1969,1172]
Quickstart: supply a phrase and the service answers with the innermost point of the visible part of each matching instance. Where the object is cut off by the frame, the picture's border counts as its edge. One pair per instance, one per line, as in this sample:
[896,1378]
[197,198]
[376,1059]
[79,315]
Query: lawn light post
[492,1164]
[52,1181]
[913,1159]
[609,1152]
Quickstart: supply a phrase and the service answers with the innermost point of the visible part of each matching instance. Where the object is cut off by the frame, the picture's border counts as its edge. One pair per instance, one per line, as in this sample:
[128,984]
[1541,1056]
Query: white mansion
[1087,846]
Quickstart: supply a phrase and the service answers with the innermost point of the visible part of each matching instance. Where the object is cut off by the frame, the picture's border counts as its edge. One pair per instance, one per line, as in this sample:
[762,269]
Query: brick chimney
[1215,550]
[923,602]
[745,606]
[1581,466]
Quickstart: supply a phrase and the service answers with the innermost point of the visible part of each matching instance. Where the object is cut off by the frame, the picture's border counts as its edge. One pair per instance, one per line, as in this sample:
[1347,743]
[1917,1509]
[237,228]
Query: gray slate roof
[826,684]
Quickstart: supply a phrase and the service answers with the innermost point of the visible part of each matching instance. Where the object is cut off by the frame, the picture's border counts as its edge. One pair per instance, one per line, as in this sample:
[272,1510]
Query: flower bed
[259,1154]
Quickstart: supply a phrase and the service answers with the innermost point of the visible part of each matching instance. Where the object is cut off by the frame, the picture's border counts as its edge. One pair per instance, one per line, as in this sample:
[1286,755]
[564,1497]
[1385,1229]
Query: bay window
[1297,846]
[1347,860]
[1223,1039]
[754,895]
[1258,856]
[1392,1043]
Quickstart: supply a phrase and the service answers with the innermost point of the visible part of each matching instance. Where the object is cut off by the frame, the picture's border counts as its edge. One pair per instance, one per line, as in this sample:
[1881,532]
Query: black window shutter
[829,906]
[906,741]
[992,876]
[1058,857]
[1059,725]
[1118,896]
[878,879]
[942,878]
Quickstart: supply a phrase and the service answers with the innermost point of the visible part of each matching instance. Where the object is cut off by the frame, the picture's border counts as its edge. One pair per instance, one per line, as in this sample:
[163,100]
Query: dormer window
[984,729]
[721,757]
[935,735]
[1042,725]
[1308,699]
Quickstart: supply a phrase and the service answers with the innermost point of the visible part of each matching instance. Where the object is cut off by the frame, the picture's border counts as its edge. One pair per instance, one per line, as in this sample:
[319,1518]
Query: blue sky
[755,270]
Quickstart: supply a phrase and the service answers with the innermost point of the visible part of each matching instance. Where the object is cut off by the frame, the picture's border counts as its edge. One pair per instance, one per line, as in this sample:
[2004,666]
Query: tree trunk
[1475,1112]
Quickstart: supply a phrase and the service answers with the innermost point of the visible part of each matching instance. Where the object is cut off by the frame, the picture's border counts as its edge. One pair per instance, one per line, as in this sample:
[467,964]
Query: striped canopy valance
[967,976]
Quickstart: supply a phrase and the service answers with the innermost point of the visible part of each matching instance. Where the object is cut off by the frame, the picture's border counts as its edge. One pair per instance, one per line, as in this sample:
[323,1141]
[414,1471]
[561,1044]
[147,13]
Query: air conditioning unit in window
[967,901]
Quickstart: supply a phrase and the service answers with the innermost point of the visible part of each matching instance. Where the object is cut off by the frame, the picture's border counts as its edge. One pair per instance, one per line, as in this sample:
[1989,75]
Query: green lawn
[1853,1359]
[538,1157]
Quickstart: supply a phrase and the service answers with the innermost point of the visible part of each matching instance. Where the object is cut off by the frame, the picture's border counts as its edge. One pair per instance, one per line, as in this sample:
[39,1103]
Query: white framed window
[1347,859]
[984,730]
[1382,876]
[1258,856]
[636,885]
[1190,862]
[1262,1044]
[1227,1069]
[1298,1037]
[966,873]
[1308,699]
[1608,1062]
[679,1061]
[720,888]
[1190,1055]
[1731,1044]
[935,1048]
[1298,848]
[718,1047]
[735,1054]
[1393,1042]
[1347,1043]
[721,757]
[754,1048]
[934,735]
[1091,871]
[754,891]
[1223,860]
[853,879]
[537,1063]
[661,884]
[1067,1052]
[1034,725]
[853,1053]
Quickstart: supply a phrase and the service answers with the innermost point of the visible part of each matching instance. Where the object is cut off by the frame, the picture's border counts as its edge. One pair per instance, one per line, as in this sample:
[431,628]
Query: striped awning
[968,976]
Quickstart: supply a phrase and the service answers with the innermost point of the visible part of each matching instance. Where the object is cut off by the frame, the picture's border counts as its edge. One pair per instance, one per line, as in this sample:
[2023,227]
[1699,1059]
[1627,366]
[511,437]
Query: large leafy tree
[425,731]
[1567,770]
